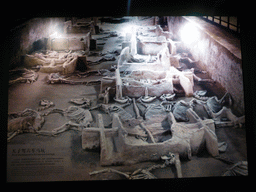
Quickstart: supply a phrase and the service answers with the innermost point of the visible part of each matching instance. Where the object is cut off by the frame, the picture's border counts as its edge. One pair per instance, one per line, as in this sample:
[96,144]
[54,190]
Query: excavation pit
[143,86]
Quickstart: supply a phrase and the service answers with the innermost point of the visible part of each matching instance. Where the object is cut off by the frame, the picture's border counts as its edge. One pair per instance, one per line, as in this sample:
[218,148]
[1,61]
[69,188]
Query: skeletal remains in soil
[82,102]
[52,62]
[99,72]
[167,97]
[216,109]
[186,130]
[27,121]
[31,121]
[56,78]
[168,105]
[103,59]
[26,76]
[45,103]
[200,95]
[79,118]
[169,159]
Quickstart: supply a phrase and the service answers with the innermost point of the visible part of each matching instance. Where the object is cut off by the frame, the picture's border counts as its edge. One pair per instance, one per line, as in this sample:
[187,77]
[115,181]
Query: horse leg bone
[95,107]
[109,170]
[148,132]
[54,111]
[178,165]
[199,80]
[148,174]
[61,129]
[136,109]
[13,135]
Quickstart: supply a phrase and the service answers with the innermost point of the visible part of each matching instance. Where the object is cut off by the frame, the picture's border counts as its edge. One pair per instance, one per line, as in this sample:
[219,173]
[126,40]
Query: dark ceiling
[119,8]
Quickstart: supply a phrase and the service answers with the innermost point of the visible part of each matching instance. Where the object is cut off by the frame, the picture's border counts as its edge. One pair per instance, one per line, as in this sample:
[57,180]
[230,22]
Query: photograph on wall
[125,98]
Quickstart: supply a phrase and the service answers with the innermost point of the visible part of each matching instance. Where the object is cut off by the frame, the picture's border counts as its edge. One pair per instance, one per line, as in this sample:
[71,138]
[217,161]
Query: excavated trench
[21,96]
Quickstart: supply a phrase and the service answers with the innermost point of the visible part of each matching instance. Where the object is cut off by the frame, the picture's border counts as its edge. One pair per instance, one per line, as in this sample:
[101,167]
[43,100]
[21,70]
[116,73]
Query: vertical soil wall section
[217,52]
[31,36]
